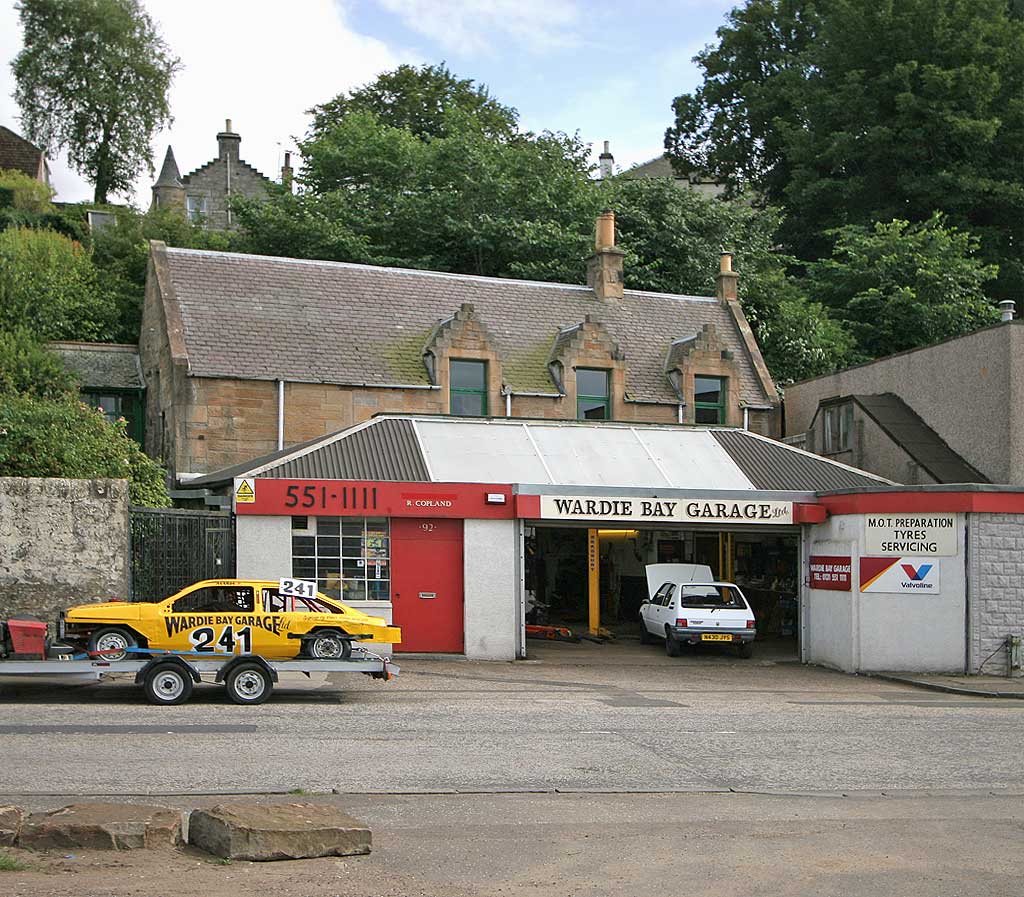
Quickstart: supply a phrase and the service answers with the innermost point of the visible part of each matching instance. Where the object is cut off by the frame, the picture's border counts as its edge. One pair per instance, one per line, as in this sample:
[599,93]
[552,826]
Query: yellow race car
[226,617]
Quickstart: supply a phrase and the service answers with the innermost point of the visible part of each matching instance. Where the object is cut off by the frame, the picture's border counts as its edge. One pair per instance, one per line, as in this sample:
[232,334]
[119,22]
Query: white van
[686,606]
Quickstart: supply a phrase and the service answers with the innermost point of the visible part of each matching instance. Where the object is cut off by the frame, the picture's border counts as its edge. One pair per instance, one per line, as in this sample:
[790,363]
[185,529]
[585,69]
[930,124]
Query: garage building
[461,529]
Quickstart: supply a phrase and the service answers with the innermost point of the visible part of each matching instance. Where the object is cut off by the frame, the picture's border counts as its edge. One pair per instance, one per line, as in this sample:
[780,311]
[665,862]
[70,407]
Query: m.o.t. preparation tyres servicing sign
[906,534]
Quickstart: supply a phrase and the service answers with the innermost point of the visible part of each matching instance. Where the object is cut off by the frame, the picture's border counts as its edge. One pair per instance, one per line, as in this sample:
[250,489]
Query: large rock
[10,824]
[277,831]
[102,827]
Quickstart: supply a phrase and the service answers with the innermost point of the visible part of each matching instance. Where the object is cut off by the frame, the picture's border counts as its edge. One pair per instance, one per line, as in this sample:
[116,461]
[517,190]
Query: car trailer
[169,676]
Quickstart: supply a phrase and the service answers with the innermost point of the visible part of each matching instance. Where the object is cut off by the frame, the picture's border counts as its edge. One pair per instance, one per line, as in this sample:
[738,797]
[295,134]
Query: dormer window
[838,427]
[195,206]
[709,400]
[468,387]
[593,396]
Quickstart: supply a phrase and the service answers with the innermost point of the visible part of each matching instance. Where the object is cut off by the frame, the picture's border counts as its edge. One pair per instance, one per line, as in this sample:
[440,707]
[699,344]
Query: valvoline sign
[900,575]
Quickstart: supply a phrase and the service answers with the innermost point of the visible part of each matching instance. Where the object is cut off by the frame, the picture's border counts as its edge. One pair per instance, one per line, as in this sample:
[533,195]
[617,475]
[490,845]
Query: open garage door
[765,564]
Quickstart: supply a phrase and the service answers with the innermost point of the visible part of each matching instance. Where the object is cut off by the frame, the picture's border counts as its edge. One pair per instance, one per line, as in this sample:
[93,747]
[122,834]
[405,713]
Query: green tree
[418,100]
[64,438]
[49,285]
[93,78]
[24,193]
[900,285]
[855,111]
[27,368]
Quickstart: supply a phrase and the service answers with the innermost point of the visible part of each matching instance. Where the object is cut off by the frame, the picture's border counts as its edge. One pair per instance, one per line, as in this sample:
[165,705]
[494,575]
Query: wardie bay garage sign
[664,510]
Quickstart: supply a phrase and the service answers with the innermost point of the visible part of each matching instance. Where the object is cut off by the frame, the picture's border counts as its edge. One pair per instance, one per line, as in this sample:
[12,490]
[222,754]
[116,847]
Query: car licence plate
[716,637]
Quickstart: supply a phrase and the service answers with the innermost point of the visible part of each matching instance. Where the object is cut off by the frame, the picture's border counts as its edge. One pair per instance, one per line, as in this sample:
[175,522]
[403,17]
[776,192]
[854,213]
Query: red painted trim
[925,502]
[357,498]
[527,506]
[808,513]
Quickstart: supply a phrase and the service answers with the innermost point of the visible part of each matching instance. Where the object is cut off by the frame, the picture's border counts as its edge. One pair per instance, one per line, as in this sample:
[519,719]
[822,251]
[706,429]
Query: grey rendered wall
[263,547]
[855,631]
[491,586]
[996,583]
[62,542]
[960,388]
[872,450]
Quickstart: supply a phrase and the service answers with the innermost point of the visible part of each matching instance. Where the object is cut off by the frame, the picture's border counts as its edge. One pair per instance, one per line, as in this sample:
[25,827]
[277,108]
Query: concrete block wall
[996,587]
[62,542]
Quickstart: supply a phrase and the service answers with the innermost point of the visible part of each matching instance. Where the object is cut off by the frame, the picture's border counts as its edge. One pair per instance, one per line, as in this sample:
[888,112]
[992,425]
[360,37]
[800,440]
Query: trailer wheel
[328,645]
[168,683]
[249,683]
[114,641]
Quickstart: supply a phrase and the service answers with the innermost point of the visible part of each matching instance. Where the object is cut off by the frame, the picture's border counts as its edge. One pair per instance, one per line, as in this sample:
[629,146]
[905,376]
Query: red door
[426,583]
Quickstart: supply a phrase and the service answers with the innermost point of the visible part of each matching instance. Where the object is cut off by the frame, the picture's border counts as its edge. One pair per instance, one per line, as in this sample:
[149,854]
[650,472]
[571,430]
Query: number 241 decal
[203,640]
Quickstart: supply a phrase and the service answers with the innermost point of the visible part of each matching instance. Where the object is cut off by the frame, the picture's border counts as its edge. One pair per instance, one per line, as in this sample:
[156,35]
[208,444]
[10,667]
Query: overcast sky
[609,69]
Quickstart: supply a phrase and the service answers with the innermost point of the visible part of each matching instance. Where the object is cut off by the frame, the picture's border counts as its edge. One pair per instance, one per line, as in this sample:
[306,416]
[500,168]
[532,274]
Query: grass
[298,791]
[10,864]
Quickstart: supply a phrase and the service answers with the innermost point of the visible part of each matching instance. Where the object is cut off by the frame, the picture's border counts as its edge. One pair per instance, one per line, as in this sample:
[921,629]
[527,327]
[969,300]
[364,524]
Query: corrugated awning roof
[556,453]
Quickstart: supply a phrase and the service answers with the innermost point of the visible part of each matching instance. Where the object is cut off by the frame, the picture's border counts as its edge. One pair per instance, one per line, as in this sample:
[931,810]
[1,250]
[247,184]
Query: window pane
[328,546]
[707,416]
[352,526]
[707,389]
[380,590]
[468,404]
[591,383]
[328,526]
[468,374]
[589,409]
[303,546]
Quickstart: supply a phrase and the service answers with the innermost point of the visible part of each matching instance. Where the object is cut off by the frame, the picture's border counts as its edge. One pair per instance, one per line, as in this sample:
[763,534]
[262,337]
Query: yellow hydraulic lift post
[594,577]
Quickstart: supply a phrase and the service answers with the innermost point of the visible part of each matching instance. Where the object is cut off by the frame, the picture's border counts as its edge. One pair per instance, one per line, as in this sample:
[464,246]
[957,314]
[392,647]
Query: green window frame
[118,403]
[593,394]
[467,386]
[708,410]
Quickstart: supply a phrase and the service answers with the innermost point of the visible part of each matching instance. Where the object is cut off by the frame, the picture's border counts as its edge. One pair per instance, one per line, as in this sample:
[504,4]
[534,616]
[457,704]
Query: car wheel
[745,650]
[645,636]
[168,683]
[328,646]
[249,683]
[672,647]
[113,642]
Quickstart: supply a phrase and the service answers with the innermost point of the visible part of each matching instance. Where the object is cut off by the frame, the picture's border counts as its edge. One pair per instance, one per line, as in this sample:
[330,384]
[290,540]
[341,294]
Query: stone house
[204,194]
[946,413]
[243,355]
[660,168]
[17,154]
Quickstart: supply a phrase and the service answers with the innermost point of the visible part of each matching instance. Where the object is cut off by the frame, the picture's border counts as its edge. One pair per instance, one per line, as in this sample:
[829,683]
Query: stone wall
[62,542]
[996,584]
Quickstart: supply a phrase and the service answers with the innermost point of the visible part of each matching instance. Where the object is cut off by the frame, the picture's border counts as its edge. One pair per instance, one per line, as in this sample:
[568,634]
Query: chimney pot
[1007,310]
[727,281]
[606,162]
[604,233]
[227,124]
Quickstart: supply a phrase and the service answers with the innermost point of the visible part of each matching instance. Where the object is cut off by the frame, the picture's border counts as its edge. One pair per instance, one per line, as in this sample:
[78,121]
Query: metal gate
[171,549]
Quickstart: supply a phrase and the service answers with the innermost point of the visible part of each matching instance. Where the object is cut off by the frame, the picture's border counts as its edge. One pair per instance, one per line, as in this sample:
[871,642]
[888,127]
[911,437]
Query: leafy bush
[27,368]
[64,438]
[26,193]
[49,286]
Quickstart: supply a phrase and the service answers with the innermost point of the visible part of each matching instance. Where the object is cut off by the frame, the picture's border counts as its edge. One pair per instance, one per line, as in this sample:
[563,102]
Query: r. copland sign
[676,510]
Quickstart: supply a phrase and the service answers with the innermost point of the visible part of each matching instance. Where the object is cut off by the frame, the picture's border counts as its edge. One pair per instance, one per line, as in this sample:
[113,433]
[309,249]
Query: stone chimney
[286,172]
[604,267]
[727,280]
[606,163]
[168,191]
[1007,310]
[228,142]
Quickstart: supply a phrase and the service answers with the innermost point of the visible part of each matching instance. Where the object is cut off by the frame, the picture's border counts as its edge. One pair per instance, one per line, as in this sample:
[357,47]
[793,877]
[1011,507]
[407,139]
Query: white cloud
[476,26]
[259,63]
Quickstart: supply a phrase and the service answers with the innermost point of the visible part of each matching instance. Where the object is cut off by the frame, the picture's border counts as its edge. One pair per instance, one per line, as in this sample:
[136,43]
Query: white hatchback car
[686,606]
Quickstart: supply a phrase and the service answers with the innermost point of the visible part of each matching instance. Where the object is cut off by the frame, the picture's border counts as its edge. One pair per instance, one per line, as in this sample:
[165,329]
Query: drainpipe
[746,418]
[508,404]
[681,413]
[280,414]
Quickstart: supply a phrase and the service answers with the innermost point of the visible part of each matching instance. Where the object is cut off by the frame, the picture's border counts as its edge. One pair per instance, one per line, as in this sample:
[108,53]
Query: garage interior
[764,564]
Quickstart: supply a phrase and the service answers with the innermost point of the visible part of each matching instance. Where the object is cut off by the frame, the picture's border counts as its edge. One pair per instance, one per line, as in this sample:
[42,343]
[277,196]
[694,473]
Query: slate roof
[416,448]
[102,365]
[263,318]
[169,176]
[17,154]
[902,424]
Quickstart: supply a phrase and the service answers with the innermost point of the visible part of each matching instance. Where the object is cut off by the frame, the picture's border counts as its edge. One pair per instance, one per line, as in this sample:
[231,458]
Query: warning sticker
[245,494]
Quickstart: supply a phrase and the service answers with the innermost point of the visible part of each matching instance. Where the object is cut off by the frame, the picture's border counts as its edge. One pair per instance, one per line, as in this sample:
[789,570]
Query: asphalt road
[583,718]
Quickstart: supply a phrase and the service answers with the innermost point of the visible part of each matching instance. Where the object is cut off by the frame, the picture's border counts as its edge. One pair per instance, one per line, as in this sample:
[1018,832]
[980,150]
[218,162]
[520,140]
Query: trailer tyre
[328,645]
[115,641]
[249,683]
[167,684]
